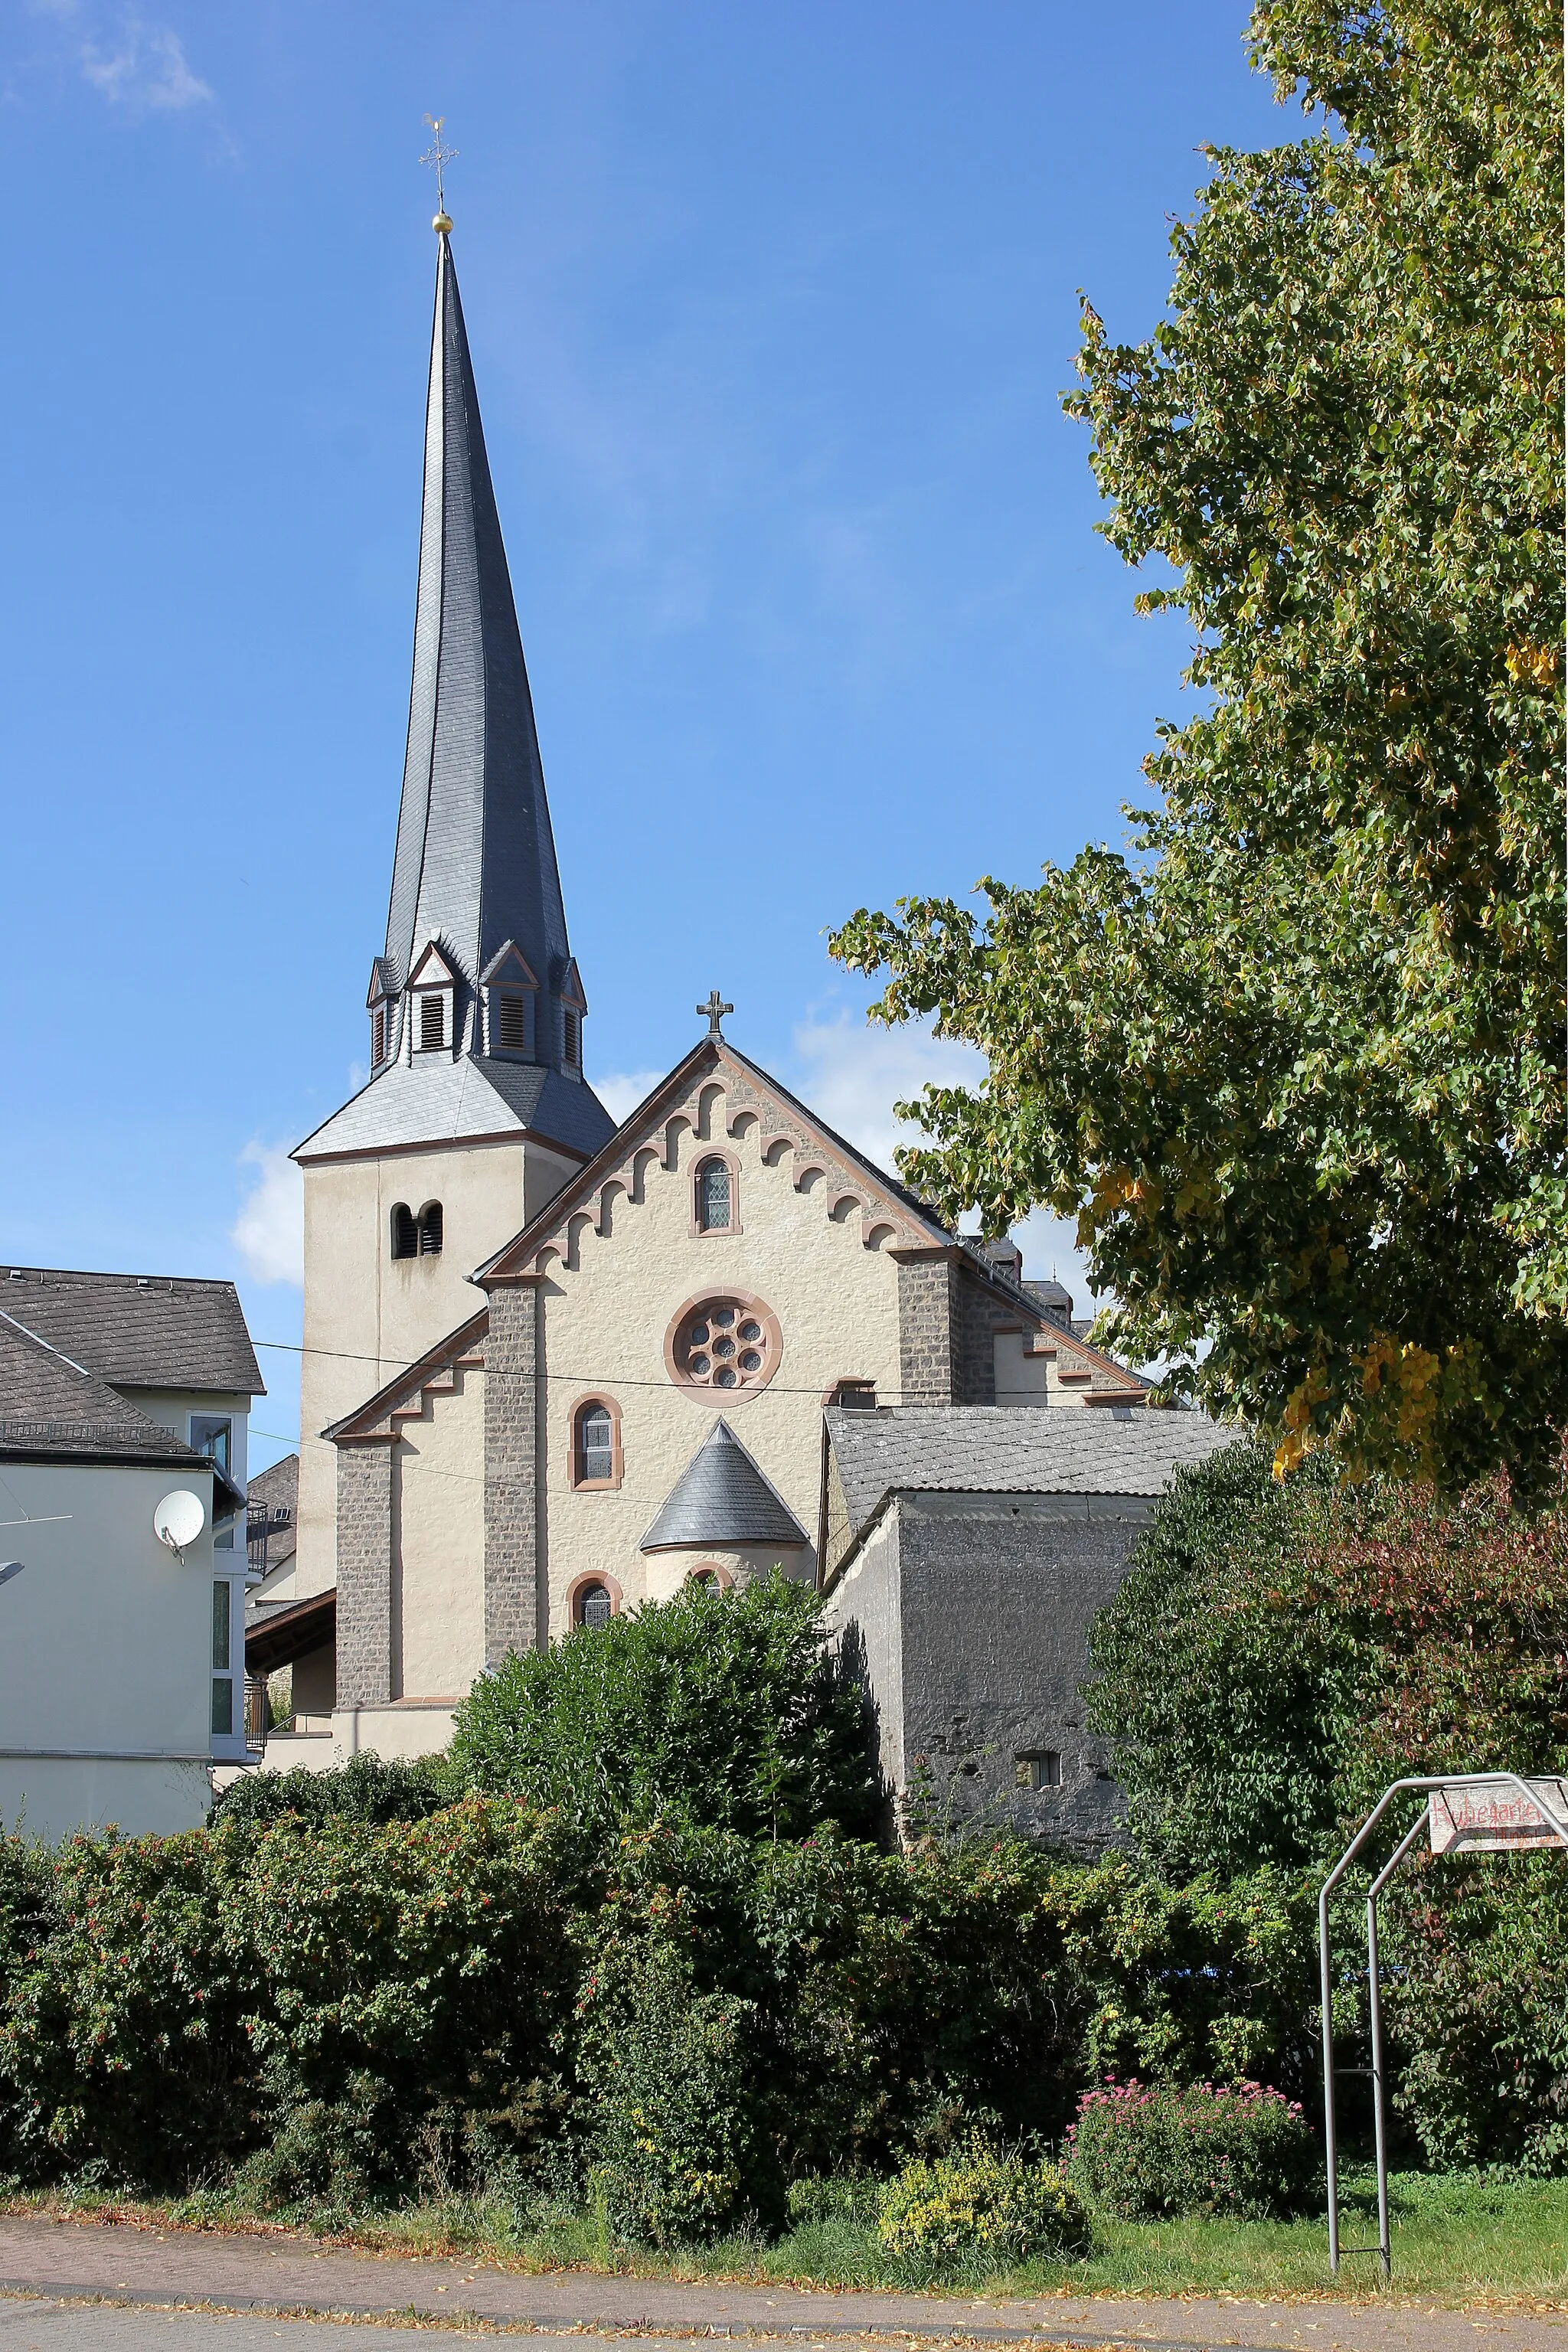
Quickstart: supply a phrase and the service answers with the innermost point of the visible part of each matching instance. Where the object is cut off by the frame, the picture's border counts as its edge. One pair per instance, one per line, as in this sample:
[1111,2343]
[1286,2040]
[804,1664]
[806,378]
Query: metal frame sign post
[1467,1812]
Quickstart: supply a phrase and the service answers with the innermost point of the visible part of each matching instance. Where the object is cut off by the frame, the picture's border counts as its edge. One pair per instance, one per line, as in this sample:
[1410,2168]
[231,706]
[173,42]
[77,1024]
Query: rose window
[724,1344]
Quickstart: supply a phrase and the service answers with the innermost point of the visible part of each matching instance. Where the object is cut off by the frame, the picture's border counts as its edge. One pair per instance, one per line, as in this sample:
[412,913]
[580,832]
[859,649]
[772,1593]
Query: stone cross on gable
[715,1009]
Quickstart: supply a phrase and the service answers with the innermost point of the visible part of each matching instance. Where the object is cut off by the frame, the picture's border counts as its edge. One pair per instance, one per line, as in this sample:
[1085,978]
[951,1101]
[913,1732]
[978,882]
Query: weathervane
[438,156]
[715,1009]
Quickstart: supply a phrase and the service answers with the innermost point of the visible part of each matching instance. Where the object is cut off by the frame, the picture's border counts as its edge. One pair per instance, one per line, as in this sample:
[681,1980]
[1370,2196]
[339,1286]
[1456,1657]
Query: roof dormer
[509,995]
[433,999]
[380,1003]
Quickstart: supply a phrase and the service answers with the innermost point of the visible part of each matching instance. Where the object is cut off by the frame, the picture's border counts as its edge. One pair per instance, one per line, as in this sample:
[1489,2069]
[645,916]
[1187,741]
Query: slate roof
[436,1099]
[146,1331]
[1012,1450]
[722,1498]
[53,1410]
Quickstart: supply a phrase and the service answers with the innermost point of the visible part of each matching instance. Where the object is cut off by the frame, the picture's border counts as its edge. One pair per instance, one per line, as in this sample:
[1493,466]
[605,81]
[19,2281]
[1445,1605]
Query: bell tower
[477,1111]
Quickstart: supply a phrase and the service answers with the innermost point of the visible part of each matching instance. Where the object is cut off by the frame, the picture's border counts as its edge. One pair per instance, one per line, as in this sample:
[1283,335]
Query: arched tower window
[404,1231]
[596,1442]
[430,1229]
[593,1605]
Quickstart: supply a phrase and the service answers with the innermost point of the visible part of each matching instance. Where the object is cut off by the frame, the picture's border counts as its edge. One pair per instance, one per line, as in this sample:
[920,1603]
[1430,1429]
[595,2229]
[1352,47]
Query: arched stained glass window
[593,1605]
[595,1447]
[713,1196]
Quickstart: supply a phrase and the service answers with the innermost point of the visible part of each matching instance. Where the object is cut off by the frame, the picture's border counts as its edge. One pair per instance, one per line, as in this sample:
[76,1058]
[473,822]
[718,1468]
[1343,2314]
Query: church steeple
[475,869]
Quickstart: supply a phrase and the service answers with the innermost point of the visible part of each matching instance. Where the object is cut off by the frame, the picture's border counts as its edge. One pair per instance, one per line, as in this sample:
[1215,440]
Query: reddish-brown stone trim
[592,1576]
[747,1302]
[696,1228]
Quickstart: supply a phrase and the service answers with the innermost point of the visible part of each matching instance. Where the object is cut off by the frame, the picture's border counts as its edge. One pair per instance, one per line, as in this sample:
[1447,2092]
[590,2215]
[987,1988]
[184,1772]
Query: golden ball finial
[441,223]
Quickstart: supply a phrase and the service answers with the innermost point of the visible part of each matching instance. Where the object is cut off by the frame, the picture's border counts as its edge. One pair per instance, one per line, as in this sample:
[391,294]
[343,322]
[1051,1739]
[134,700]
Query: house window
[223,1653]
[430,1229]
[511,1022]
[378,1036]
[404,1231]
[593,1605]
[1041,1768]
[721,1345]
[594,1449]
[212,1433]
[714,1214]
[570,1037]
[432,1021]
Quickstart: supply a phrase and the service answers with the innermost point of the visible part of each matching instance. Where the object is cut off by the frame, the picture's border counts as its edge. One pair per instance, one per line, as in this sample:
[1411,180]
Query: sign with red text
[1468,1818]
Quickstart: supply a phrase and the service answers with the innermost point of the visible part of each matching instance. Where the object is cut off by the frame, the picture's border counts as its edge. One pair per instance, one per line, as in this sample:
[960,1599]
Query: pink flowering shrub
[1142,2150]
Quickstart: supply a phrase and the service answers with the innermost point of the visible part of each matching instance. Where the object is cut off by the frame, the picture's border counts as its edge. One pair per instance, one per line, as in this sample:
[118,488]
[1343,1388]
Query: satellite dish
[179,1519]
[10,1568]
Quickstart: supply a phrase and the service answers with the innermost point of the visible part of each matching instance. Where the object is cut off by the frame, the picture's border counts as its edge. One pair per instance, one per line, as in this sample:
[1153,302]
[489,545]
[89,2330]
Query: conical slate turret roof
[722,1498]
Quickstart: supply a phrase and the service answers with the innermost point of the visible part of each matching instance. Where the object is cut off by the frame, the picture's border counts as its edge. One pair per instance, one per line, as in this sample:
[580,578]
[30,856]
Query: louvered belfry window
[511,1024]
[570,1037]
[378,1035]
[432,1021]
[430,1229]
[404,1231]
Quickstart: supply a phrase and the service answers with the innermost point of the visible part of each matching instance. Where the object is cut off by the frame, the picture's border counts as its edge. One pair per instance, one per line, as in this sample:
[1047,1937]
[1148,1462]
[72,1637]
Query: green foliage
[1299,1064]
[716,1708]
[1278,1654]
[980,2210]
[1141,2150]
[366,1789]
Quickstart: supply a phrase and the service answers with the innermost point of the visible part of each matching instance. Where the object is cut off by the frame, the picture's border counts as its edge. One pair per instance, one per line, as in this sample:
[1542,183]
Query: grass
[1458,2239]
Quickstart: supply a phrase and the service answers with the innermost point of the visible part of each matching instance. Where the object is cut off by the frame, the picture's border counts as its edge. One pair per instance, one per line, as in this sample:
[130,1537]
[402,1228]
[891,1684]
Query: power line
[573,1380]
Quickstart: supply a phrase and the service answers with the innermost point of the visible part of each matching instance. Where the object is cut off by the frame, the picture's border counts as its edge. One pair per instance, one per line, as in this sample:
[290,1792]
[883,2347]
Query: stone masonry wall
[365,1575]
[512,1472]
[928,1282]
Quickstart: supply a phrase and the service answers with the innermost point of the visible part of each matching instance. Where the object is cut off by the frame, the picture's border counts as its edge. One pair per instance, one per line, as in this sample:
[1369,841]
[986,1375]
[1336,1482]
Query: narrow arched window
[713,1197]
[430,1229]
[404,1231]
[594,1605]
[595,1445]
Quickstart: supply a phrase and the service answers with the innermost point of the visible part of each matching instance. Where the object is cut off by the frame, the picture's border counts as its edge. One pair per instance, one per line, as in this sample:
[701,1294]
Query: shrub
[366,1789]
[978,2210]
[717,1709]
[1149,2150]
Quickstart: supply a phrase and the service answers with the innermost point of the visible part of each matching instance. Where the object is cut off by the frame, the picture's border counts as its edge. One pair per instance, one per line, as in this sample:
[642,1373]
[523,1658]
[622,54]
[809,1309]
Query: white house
[122,1659]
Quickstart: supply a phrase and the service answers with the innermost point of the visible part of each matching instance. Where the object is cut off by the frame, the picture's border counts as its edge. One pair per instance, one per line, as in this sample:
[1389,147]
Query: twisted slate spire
[476,858]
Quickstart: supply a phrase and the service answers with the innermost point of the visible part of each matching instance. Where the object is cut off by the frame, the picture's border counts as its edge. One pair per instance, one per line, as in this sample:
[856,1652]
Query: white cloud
[144,67]
[269,1230]
[622,1093]
[853,1074]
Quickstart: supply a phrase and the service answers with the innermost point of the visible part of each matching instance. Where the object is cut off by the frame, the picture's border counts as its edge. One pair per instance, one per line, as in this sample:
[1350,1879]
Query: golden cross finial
[438,156]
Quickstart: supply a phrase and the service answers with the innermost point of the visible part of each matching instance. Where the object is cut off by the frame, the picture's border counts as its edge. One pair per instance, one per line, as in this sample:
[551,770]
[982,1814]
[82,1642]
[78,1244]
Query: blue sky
[771,310]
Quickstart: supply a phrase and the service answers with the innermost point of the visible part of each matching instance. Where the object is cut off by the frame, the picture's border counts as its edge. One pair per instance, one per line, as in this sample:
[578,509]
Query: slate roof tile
[147,1331]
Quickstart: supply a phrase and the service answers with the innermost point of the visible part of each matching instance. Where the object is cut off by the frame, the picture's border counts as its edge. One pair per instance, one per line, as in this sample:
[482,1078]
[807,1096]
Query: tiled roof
[722,1498]
[1012,1450]
[51,1410]
[435,1099]
[148,1331]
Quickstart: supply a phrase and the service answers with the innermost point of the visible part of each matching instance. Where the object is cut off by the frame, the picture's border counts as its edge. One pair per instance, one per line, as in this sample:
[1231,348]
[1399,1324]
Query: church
[554,1366]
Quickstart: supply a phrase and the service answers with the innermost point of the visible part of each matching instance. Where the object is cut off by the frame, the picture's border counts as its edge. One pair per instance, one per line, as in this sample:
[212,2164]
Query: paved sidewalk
[65,2262]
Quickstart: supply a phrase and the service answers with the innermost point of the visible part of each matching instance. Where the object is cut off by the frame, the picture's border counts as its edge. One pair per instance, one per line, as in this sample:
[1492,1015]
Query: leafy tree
[1297,1062]
[717,1707]
[1278,1654]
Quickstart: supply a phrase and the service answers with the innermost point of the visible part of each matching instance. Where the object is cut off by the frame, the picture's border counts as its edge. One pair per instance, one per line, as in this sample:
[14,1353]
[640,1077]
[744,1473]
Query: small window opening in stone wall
[593,1605]
[713,1212]
[595,1449]
[1040,1767]
[430,1229]
[404,1231]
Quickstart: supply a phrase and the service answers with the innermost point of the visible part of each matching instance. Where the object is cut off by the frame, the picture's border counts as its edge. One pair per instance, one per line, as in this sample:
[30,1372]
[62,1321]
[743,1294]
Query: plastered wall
[438,1562]
[609,1300]
[367,1314]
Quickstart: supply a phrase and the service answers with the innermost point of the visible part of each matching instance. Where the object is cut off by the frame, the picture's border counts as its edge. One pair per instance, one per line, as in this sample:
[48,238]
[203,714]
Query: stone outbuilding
[964,1551]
